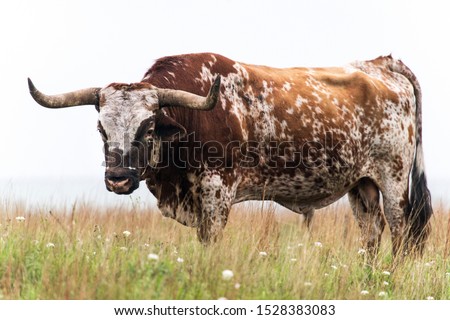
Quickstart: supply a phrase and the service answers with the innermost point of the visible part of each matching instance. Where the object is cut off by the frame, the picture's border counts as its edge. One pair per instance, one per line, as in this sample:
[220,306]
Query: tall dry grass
[82,252]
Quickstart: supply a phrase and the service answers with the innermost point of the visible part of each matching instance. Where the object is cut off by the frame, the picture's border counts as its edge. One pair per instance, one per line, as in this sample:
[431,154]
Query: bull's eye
[149,135]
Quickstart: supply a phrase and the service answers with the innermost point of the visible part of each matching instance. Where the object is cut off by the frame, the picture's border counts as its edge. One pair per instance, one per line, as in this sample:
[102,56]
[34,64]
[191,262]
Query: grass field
[88,252]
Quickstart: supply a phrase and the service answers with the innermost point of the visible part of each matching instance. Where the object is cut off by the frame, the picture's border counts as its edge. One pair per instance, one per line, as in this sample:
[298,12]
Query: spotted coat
[303,137]
[352,129]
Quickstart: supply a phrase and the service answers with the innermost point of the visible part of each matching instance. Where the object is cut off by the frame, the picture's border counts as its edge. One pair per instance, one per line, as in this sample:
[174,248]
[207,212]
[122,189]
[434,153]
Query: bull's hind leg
[395,200]
[216,199]
[364,199]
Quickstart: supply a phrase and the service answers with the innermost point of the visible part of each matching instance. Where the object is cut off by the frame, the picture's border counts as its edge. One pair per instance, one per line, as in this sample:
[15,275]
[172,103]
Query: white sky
[68,45]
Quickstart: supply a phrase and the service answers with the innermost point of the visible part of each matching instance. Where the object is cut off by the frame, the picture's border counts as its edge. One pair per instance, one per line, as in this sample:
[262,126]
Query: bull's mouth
[121,184]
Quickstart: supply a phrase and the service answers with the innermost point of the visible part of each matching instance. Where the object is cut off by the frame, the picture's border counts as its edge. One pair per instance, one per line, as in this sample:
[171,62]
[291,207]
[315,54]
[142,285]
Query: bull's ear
[167,129]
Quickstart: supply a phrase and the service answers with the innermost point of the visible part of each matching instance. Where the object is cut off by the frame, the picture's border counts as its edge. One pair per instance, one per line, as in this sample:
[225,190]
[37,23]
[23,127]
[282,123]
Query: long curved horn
[70,99]
[179,98]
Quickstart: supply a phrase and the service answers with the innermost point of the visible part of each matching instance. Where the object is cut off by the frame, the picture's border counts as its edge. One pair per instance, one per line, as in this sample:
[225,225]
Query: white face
[122,112]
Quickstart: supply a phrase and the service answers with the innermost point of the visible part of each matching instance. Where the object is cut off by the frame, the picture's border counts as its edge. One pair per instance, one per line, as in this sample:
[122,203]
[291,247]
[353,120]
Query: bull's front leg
[215,199]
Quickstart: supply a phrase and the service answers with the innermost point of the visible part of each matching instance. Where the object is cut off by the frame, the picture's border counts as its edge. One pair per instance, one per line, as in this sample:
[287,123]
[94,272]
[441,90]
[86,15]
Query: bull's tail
[419,210]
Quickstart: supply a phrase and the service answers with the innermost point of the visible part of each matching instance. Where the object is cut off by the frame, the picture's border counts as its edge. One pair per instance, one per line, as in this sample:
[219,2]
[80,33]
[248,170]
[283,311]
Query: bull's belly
[315,200]
[317,192]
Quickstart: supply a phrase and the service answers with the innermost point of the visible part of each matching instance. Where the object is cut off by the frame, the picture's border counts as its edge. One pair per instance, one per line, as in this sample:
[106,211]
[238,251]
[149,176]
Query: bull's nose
[121,181]
[117,182]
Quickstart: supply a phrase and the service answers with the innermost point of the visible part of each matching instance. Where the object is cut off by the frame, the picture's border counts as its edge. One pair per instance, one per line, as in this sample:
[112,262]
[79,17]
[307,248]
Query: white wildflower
[153,256]
[300,245]
[326,274]
[382,293]
[386,273]
[293,259]
[227,274]
[364,292]
[361,252]
[20,219]
[180,260]
[263,253]
[385,283]
[318,244]
[430,298]
[429,264]
[146,245]
[50,245]
[334,267]
[126,233]
[237,285]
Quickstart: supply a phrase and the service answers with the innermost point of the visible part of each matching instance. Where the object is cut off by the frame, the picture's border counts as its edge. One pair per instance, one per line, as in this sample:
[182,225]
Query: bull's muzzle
[121,181]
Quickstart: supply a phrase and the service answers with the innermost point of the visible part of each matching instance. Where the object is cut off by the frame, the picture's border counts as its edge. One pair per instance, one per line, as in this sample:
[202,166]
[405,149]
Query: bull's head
[131,123]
